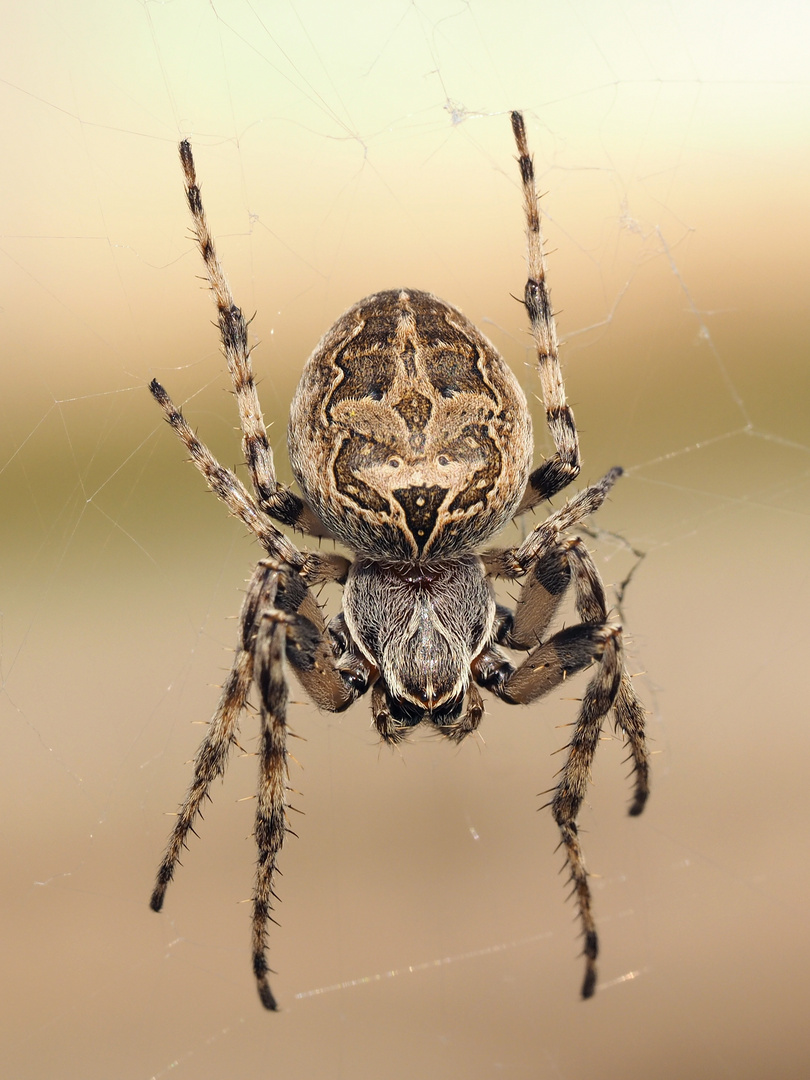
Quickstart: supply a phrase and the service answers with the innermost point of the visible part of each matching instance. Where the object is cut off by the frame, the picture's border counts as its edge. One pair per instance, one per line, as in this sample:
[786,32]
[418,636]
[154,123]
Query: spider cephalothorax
[411,441]
[421,625]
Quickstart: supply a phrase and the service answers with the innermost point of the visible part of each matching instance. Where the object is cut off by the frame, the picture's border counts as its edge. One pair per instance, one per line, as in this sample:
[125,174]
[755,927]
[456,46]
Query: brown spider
[412,445]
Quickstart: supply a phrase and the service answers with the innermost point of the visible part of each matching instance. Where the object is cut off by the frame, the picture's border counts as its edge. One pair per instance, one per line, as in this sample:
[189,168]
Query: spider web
[343,149]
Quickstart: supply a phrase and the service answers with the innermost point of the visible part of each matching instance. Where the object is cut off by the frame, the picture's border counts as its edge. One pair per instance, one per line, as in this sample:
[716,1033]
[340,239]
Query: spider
[411,442]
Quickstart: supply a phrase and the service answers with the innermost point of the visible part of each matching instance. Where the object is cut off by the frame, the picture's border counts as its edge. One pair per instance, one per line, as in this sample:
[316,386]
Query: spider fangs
[411,442]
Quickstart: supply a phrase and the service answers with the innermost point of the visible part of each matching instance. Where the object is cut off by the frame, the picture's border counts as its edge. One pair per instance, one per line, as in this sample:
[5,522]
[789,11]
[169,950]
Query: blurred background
[344,148]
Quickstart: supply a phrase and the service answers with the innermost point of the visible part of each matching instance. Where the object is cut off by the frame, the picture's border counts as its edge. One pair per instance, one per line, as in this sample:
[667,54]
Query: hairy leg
[552,565]
[273,498]
[564,465]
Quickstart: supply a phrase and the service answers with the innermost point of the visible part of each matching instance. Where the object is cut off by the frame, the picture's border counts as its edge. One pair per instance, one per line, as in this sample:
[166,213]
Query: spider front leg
[599,695]
[548,665]
[212,755]
[271,804]
[280,624]
[628,712]
[558,564]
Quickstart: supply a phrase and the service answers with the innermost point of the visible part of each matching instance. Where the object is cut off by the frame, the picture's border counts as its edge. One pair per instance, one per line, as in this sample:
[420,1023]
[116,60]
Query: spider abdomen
[409,435]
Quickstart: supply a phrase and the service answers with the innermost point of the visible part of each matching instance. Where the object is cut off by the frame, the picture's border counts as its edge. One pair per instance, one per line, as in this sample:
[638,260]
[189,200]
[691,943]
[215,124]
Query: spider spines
[571,895]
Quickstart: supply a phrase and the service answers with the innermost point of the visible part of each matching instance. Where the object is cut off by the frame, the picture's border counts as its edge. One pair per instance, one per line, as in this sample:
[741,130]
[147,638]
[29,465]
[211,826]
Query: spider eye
[394,463]
[443,459]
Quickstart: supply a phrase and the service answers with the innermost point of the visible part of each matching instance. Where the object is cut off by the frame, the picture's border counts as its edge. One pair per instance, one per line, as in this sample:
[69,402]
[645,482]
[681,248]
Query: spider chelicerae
[411,443]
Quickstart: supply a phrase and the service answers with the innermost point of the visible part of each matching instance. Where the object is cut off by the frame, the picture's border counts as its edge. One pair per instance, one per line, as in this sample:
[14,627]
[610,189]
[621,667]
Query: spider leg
[514,562]
[331,683]
[541,593]
[565,805]
[290,627]
[212,756]
[226,485]
[271,821]
[544,668]
[280,620]
[557,564]
[564,465]
[548,665]
[628,712]
[273,498]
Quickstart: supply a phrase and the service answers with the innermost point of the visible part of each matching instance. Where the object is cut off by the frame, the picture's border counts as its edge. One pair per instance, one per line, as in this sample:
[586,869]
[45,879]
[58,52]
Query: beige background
[344,148]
